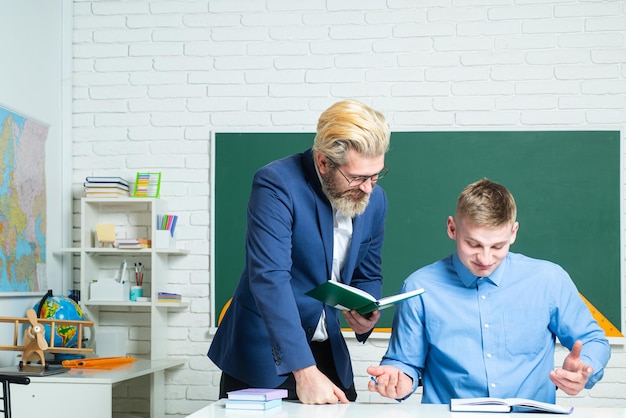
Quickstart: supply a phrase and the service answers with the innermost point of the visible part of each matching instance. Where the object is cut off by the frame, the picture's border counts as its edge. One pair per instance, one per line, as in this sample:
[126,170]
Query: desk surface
[291,409]
[99,376]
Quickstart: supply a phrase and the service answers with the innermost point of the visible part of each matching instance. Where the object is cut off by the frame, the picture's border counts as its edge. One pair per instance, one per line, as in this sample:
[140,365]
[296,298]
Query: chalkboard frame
[581,163]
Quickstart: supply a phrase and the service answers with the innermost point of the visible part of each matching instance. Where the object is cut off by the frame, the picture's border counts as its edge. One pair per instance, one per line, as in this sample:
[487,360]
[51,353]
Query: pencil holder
[164,239]
[136,292]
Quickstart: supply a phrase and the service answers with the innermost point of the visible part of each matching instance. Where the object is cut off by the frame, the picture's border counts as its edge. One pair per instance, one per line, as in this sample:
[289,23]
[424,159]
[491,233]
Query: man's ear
[514,232]
[323,165]
[451,228]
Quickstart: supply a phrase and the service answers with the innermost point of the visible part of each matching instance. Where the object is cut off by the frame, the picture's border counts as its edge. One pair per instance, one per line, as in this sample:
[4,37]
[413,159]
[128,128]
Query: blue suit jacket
[265,332]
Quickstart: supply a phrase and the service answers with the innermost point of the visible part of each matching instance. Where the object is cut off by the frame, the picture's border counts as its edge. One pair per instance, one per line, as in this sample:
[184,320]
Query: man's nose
[367,186]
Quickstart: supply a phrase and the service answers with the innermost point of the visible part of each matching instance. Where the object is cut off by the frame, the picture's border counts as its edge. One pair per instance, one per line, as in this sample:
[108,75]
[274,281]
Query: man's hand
[359,323]
[390,382]
[313,387]
[574,375]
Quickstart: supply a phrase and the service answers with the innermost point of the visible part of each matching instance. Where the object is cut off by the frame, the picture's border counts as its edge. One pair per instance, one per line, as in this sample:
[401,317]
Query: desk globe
[61,307]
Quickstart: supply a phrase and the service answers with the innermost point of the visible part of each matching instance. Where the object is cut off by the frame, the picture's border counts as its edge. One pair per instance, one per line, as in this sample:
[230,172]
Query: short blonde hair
[486,203]
[350,124]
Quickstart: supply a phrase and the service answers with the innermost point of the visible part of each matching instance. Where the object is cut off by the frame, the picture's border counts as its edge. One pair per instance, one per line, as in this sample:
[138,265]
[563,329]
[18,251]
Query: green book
[344,297]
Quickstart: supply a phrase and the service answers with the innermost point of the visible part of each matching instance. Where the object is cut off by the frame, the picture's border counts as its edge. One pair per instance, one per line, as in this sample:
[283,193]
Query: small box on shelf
[109,290]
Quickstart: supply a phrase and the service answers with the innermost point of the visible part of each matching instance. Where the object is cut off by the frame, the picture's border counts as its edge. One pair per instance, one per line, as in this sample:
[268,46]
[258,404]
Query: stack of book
[168,297]
[255,398]
[128,244]
[106,187]
[145,243]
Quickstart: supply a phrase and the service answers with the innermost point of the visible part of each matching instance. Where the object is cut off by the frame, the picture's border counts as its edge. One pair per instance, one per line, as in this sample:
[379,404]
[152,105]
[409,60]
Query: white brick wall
[153,78]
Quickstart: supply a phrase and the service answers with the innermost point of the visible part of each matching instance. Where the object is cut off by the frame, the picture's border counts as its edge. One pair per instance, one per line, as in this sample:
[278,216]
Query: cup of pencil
[136,292]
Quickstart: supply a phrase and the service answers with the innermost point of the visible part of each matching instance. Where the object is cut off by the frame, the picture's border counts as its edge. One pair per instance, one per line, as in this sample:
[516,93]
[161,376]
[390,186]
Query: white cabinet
[132,218]
[140,327]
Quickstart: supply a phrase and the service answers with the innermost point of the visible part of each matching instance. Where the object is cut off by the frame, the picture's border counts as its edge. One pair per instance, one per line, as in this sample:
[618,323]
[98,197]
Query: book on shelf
[106,195]
[97,190]
[487,404]
[255,405]
[257,394]
[106,192]
[127,240]
[145,243]
[105,179]
[344,297]
[128,243]
[168,297]
[103,185]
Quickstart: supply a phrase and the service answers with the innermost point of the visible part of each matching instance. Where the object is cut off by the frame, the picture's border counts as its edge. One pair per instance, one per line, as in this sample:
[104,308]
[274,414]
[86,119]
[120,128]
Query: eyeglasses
[359,180]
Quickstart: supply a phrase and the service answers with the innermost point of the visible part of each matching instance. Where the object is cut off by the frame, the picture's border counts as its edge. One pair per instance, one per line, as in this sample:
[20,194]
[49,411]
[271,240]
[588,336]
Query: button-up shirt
[491,336]
[342,235]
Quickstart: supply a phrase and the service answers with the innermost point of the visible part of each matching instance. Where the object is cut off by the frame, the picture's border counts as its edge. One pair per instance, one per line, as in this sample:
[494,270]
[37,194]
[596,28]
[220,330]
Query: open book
[505,405]
[344,297]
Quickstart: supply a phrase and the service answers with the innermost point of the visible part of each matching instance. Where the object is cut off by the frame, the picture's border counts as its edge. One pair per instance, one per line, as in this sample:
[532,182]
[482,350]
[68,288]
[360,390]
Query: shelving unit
[132,218]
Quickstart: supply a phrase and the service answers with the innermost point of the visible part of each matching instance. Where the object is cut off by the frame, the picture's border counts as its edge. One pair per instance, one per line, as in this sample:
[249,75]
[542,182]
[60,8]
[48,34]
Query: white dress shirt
[342,233]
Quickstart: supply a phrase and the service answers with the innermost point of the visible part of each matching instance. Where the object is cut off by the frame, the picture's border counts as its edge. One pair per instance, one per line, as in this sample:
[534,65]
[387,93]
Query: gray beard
[342,201]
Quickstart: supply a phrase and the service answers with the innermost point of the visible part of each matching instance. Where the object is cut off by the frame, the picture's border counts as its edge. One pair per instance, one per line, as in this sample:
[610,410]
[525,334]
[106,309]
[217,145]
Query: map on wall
[22,203]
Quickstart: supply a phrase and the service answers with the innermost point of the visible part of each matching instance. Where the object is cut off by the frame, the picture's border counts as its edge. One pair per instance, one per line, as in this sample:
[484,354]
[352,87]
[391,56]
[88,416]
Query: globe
[61,307]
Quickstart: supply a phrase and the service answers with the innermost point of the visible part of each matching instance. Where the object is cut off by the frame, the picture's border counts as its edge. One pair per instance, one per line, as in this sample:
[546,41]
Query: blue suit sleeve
[269,249]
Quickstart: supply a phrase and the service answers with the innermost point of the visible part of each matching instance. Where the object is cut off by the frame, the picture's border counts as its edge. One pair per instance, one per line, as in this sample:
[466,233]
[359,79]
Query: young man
[312,217]
[488,321]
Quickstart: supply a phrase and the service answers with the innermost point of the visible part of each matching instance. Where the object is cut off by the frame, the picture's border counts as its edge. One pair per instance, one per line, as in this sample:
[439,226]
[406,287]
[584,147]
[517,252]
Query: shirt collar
[469,280]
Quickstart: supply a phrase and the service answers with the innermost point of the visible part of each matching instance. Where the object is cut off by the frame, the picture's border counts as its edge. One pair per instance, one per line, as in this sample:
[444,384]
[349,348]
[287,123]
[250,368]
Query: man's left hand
[361,324]
[574,375]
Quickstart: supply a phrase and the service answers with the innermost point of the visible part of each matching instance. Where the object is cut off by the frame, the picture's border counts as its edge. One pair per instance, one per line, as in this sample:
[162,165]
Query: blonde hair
[349,124]
[486,203]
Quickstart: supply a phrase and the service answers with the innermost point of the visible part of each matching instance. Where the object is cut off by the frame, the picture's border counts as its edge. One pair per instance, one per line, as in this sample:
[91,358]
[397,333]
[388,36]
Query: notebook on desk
[34,371]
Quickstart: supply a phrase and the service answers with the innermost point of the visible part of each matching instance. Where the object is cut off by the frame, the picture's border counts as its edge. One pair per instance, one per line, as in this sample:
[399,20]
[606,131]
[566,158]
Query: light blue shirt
[492,336]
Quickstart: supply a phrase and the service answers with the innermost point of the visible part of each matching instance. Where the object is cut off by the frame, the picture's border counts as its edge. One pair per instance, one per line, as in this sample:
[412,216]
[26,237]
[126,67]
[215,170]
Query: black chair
[6,381]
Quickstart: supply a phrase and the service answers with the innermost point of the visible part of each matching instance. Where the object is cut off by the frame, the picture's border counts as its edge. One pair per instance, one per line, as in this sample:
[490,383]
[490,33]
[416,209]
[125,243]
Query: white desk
[291,409]
[80,393]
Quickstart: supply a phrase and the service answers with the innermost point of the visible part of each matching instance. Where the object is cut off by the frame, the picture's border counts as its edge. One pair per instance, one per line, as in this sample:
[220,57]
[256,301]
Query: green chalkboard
[566,185]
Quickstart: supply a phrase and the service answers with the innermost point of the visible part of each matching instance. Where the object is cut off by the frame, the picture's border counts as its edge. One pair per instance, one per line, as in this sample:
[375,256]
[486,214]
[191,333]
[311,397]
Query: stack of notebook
[168,297]
[255,398]
[106,187]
